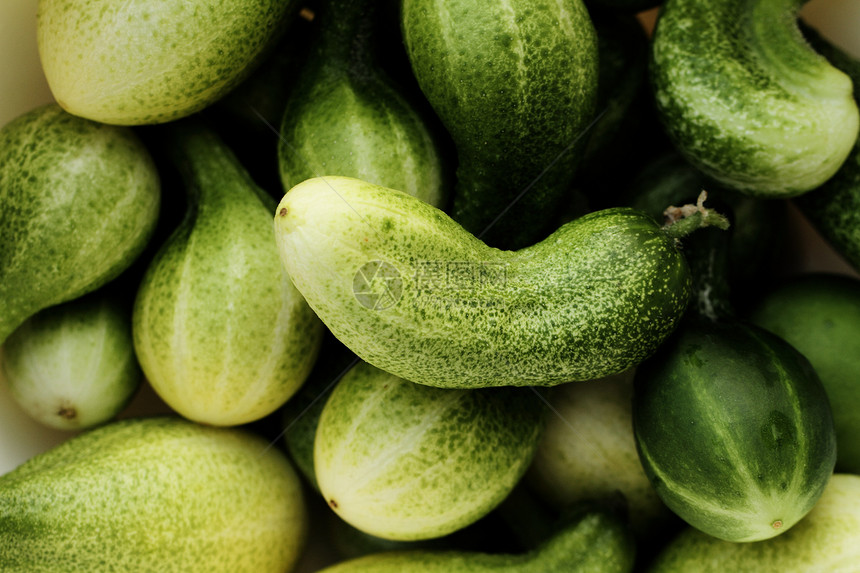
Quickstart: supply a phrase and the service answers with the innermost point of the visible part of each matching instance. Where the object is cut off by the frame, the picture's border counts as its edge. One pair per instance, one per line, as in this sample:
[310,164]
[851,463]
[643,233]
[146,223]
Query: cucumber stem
[681,221]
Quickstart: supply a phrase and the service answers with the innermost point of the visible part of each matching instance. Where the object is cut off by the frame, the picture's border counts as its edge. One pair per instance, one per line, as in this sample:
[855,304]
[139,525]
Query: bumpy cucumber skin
[819,314]
[73,366]
[220,331]
[78,204]
[595,542]
[824,542]
[151,495]
[407,462]
[746,99]
[734,430]
[515,84]
[594,298]
[140,62]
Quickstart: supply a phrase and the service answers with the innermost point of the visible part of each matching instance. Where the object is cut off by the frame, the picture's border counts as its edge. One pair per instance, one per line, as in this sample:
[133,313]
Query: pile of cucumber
[433,286]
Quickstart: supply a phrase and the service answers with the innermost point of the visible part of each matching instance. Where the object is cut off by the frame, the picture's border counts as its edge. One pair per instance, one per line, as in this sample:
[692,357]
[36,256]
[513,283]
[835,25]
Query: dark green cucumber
[515,84]
[746,99]
[346,116]
[412,292]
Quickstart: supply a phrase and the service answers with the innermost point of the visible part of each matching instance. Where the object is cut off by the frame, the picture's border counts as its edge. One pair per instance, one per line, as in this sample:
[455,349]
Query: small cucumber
[346,116]
[515,84]
[408,462]
[746,99]
[221,333]
[73,366]
[78,203]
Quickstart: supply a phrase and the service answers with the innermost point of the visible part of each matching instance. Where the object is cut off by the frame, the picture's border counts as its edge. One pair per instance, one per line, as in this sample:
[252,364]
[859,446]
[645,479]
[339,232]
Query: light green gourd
[221,333]
[153,495]
[78,204]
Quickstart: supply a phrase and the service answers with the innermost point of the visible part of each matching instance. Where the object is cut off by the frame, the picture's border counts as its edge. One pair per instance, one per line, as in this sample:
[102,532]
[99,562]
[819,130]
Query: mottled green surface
[515,83]
[73,366]
[405,461]
[734,430]
[596,297]
[819,314]
[78,203]
[153,495]
[824,542]
[345,116]
[220,331]
[746,99]
[595,542]
[140,62]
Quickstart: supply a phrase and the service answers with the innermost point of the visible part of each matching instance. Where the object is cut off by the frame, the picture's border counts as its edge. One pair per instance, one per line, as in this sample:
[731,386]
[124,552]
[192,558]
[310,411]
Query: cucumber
[745,98]
[79,201]
[819,314]
[409,462]
[411,292]
[346,116]
[515,84]
[141,62]
[220,332]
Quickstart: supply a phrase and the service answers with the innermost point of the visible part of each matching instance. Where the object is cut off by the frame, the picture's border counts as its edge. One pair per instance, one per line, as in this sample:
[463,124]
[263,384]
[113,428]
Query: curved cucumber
[410,291]
[734,430]
[746,99]
[345,116]
[515,84]
[221,333]
[78,203]
[73,366]
[406,462]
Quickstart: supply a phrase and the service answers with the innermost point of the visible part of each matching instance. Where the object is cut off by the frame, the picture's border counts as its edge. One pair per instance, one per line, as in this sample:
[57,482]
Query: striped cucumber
[413,293]
[746,99]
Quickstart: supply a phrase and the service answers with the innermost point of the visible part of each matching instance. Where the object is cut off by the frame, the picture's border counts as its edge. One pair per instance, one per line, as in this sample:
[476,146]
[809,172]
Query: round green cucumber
[819,315]
[73,366]
[141,62]
[515,84]
[734,430]
[408,462]
[79,202]
[745,98]
[151,495]
[413,293]
[825,541]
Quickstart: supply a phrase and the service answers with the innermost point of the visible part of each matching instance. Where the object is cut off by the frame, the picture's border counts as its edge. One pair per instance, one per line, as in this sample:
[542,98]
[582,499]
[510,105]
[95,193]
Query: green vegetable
[78,203]
[819,314]
[141,62]
[73,366]
[515,84]
[746,99]
[153,494]
[408,462]
[346,116]
[221,334]
[410,291]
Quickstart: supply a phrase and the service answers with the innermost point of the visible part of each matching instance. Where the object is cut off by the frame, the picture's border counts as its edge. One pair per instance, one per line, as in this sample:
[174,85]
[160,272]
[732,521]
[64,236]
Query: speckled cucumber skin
[515,84]
[824,542]
[734,430]
[594,298]
[221,333]
[819,314]
[73,366]
[345,116]
[406,462]
[745,98]
[141,62]
[596,542]
[78,204]
[153,495]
